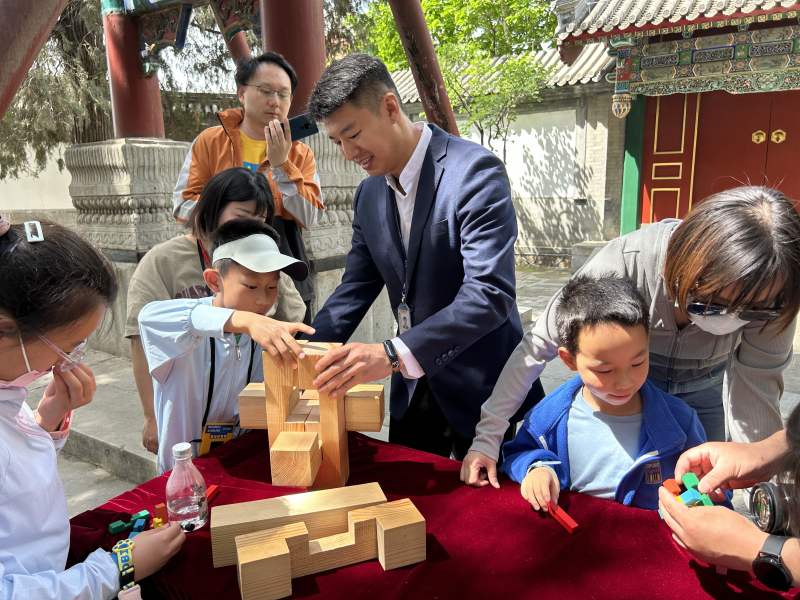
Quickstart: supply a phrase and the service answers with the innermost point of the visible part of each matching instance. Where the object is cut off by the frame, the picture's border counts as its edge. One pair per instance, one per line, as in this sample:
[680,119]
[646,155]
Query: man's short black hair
[358,78]
[237,229]
[587,302]
[246,67]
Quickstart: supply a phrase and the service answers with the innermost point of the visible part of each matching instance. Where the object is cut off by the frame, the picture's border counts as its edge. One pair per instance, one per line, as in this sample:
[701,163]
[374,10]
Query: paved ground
[104,455]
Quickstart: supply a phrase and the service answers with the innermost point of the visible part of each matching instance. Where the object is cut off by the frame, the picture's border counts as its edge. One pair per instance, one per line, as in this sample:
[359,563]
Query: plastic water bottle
[186,490]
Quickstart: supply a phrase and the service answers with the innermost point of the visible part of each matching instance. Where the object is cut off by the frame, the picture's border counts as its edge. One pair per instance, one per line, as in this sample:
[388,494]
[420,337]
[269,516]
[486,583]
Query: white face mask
[718,324]
[607,399]
[26,378]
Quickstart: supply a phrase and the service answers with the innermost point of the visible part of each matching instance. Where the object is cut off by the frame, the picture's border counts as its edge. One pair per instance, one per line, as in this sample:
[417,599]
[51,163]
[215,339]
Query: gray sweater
[755,356]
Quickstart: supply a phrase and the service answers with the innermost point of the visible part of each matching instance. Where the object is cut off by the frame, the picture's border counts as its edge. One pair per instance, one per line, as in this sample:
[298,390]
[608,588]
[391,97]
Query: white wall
[50,190]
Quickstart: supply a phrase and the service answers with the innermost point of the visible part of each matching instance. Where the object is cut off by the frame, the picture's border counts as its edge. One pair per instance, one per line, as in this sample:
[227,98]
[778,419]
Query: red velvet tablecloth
[482,543]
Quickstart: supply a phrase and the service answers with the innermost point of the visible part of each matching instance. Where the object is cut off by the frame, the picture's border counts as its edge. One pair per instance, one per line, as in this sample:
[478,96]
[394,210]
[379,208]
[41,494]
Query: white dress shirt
[175,336]
[405,195]
[34,526]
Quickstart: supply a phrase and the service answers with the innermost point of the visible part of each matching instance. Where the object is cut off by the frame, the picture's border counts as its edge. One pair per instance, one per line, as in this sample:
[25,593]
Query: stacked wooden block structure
[273,541]
[307,430]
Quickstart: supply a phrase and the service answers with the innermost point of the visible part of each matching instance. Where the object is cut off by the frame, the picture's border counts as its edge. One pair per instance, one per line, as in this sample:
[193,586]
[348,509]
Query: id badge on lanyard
[403,317]
[214,434]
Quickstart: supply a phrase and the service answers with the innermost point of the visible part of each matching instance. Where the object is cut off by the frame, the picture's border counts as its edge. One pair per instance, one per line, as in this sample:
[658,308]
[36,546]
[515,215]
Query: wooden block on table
[393,532]
[280,382]
[263,570]
[311,396]
[297,420]
[312,421]
[324,512]
[400,534]
[253,406]
[294,458]
[363,407]
[335,467]
[313,351]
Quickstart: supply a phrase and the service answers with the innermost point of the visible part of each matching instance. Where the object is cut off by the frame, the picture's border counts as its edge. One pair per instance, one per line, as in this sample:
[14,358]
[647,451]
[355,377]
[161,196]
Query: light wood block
[297,420]
[393,532]
[294,458]
[312,421]
[324,512]
[280,381]
[335,467]
[313,351]
[363,407]
[261,570]
[253,407]
[400,534]
[312,396]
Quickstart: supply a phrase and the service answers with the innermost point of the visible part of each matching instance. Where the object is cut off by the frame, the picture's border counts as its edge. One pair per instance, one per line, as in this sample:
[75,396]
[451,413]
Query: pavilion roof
[584,21]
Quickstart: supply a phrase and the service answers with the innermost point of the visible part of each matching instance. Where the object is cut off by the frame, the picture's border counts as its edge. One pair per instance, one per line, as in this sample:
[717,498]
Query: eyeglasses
[281,95]
[709,309]
[73,359]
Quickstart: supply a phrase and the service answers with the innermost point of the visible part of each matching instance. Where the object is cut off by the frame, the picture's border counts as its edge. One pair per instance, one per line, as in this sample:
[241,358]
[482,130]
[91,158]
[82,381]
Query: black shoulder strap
[250,366]
[210,381]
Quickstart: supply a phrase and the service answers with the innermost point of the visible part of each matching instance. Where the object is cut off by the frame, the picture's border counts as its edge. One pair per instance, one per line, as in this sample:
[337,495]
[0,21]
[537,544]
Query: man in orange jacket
[257,136]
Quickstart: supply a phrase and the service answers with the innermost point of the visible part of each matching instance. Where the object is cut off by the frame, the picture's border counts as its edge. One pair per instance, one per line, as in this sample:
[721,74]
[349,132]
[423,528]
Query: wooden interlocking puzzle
[308,431]
[273,541]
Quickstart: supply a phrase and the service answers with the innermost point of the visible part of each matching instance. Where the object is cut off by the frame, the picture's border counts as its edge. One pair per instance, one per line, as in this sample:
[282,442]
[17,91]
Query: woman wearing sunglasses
[723,287]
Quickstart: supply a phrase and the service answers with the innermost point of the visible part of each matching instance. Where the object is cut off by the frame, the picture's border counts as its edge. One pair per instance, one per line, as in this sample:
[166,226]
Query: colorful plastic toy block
[562,518]
[690,480]
[211,492]
[118,527]
[157,522]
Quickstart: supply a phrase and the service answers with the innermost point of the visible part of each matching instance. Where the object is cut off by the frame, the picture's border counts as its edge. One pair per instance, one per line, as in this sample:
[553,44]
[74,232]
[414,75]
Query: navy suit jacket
[461,277]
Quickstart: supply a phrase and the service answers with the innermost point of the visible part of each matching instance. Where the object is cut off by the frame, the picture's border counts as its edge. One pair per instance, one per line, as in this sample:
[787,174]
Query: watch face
[770,572]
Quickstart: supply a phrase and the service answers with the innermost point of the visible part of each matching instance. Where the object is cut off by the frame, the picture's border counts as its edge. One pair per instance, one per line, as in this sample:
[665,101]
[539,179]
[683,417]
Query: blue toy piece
[692,497]
[140,525]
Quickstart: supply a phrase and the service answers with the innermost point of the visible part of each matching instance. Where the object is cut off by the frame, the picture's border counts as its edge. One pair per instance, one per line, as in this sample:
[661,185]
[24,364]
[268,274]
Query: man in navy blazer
[435,224]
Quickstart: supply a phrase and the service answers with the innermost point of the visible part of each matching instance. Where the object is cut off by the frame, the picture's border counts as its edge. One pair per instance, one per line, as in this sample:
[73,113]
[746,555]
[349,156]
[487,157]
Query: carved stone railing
[122,190]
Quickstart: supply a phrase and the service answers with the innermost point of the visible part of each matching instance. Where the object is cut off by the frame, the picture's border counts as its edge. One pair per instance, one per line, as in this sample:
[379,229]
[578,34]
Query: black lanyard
[403,253]
[212,345]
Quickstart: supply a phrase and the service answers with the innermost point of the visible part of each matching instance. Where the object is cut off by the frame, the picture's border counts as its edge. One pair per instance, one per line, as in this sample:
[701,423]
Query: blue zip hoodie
[669,426]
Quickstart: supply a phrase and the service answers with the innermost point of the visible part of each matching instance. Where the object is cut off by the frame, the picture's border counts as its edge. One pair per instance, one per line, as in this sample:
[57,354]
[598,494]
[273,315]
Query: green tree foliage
[486,50]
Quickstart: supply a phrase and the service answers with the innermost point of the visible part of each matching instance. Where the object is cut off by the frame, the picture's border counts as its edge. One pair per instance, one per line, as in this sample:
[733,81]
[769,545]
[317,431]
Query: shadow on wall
[553,211]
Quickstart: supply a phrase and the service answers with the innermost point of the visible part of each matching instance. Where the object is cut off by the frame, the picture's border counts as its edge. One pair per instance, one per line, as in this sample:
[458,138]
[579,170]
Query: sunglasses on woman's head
[710,309]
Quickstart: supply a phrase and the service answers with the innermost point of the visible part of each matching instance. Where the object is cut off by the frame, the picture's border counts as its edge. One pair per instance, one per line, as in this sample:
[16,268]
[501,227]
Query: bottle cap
[182,450]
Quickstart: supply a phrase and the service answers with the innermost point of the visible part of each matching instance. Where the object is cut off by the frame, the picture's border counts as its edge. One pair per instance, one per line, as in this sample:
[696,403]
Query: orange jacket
[294,184]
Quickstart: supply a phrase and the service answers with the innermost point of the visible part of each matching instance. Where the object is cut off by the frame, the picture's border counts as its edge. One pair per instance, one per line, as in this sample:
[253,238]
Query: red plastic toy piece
[211,491]
[673,487]
[560,515]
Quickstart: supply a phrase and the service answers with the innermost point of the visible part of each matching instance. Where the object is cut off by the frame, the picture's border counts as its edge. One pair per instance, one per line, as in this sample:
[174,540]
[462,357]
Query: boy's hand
[153,548]
[275,337]
[540,487]
[479,470]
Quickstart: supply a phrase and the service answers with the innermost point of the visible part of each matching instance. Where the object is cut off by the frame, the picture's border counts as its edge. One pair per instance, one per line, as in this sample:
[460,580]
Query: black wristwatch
[391,353]
[768,565]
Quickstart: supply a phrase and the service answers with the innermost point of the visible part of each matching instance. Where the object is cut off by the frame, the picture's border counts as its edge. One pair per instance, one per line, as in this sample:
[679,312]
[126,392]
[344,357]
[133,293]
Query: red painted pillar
[238,46]
[296,30]
[24,27]
[417,42]
[135,99]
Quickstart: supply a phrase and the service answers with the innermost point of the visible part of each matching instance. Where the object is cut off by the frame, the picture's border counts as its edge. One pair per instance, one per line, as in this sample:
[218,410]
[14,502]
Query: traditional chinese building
[708,91]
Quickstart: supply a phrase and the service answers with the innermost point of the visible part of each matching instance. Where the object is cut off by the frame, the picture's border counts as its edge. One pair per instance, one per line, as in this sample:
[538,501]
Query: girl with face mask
[54,293]
[723,289]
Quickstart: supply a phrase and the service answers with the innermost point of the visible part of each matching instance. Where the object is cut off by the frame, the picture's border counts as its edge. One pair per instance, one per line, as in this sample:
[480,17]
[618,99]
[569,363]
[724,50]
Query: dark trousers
[424,427]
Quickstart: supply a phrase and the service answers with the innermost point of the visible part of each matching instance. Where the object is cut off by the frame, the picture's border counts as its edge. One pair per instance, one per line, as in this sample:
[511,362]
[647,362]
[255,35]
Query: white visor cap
[259,253]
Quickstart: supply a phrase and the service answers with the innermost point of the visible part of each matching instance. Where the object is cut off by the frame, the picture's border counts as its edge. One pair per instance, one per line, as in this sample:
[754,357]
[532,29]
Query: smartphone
[302,126]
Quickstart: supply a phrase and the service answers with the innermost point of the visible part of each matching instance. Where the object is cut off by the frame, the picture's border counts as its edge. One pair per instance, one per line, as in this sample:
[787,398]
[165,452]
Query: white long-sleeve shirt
[175,337]
[34,526]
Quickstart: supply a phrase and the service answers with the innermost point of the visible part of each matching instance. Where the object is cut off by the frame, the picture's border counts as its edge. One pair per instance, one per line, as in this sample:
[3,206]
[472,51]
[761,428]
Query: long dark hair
[747,237]
[51,283]
[237,184]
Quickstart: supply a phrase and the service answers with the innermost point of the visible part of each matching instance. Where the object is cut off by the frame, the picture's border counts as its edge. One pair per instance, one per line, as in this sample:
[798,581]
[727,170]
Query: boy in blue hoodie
[608,432]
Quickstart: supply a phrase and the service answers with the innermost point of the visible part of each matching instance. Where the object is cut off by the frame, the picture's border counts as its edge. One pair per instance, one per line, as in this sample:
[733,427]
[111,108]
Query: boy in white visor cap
[201,353]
